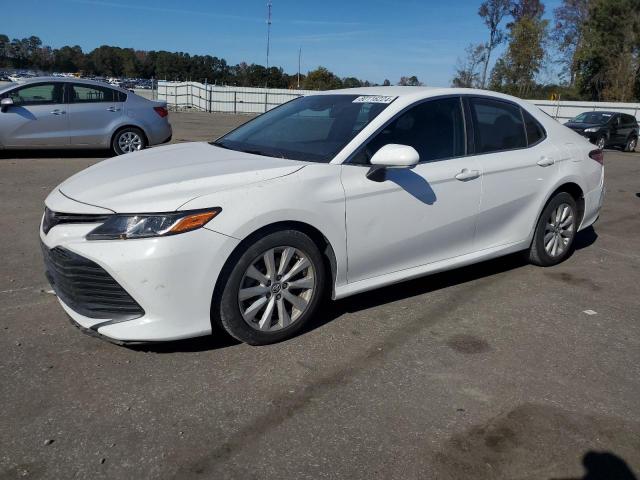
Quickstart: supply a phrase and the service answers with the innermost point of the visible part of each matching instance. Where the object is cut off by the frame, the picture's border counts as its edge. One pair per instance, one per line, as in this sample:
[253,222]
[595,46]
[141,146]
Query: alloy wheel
[601,143]
[129,142]
[559,230]
[276,288]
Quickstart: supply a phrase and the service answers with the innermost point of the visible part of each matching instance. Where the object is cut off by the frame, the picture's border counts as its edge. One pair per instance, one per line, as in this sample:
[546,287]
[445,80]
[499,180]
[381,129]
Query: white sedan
[330,194]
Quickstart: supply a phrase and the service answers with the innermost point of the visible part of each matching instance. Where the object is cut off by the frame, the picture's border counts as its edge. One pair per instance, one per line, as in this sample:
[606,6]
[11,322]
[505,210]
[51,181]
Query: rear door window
[498,125]
[79,93]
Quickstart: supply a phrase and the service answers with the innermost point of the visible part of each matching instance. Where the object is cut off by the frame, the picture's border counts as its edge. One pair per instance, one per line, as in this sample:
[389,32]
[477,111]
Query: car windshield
[593,117]
[313,128]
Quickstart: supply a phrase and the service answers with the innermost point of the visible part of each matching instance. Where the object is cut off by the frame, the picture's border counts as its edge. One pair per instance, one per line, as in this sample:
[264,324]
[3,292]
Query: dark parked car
[607,129]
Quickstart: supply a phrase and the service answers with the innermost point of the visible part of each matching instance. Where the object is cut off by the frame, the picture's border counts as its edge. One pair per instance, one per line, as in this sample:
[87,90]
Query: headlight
[592,129]
[122,227]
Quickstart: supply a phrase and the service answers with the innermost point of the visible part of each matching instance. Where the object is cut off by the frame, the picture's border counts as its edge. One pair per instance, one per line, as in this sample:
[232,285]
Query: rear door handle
[466,174]
[57,111]
[546,162]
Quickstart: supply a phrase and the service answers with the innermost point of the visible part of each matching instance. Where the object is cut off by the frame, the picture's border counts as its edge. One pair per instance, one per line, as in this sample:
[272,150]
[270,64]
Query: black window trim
[35,84]
[469,128]
[465,126]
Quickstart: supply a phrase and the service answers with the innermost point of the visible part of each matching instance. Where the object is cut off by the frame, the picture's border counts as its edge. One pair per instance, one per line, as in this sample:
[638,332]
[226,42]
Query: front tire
[555,232]
[273,289]
[601,142]
[128,140]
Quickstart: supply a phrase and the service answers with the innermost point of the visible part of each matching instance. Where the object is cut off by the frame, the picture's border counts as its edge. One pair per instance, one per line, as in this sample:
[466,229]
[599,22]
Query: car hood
[582,126]
[164,178]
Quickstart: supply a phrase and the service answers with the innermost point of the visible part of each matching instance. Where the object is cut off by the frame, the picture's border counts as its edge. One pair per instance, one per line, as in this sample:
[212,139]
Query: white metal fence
[213,98]
[565,110]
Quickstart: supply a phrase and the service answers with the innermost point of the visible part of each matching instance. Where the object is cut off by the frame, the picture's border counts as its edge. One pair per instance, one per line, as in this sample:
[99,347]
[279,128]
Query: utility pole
[299,60]
[268,36]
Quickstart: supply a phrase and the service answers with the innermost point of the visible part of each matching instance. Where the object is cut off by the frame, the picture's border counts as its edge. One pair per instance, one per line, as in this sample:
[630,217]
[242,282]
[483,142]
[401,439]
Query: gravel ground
[498,370]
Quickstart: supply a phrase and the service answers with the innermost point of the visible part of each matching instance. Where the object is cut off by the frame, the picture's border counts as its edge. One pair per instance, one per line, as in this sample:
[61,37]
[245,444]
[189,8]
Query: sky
[373,40]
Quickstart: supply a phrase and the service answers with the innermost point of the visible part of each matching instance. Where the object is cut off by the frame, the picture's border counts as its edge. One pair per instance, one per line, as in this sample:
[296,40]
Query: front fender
[313,195]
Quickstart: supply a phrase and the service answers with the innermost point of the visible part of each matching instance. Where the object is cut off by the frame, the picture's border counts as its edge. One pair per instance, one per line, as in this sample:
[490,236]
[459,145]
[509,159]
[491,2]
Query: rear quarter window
[535,132]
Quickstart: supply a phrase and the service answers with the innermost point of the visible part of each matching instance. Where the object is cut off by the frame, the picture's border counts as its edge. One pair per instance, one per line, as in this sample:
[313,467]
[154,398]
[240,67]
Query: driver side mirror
[392,156]
[5,103]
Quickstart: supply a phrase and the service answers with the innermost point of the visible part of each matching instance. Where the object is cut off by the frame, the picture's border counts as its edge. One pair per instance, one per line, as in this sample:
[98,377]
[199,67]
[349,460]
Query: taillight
[597,155]
[162,111]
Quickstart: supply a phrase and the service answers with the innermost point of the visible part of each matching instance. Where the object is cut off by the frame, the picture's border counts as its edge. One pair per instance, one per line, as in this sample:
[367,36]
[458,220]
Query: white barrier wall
[565,110]
[212,98]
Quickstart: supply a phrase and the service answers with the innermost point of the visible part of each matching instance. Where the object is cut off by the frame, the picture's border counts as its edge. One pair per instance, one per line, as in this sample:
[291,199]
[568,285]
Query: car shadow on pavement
[89,153]
[198,344]
[585,238]
[329,311]
[427,284]
[604,466]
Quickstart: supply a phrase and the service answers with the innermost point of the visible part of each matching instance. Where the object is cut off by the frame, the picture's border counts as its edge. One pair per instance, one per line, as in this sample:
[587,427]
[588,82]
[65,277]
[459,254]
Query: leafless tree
[492,13]
[467,70]
[570,18]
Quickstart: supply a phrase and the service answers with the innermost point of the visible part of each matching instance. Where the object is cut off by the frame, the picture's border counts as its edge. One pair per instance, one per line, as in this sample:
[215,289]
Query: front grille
[86,287]
[51,219]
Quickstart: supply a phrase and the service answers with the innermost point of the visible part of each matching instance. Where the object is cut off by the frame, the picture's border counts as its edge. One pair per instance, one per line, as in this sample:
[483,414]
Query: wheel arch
[324,245]
[576,192]
[570,187]
[129,125]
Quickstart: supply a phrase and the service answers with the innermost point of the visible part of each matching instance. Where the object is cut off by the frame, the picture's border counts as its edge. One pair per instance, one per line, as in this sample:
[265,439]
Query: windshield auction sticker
[374,99]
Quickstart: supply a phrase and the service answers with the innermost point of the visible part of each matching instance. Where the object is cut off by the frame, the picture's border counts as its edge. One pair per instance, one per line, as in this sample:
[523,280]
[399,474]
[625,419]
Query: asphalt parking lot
[498,370]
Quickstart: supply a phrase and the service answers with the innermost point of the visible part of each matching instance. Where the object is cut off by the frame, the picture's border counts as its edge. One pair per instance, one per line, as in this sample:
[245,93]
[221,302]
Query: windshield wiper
[221,145]
[249,150]
[264,154]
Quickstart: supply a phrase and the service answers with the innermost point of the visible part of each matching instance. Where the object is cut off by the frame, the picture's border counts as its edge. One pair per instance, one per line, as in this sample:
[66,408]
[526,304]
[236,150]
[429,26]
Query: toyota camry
[330,194]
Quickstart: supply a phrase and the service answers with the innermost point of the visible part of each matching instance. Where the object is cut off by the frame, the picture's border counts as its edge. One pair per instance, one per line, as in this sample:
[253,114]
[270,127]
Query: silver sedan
[73,113]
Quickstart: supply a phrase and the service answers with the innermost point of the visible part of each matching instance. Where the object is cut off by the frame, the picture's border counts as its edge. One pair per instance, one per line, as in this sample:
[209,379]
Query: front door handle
[466,174]
[113,109]
[546,162]
[57,111]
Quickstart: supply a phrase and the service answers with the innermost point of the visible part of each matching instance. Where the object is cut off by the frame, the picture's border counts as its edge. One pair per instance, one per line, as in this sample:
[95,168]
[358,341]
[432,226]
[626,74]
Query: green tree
[321,79]
[411,81]
[5,45]
[570,18]
[351,82]
[515,72]
[608,63]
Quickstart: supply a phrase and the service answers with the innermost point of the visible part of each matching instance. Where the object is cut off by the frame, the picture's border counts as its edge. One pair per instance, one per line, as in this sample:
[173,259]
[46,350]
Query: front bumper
[170,278]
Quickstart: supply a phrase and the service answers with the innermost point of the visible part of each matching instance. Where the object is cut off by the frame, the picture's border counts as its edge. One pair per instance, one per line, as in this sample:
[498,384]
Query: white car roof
[415,93]
[26,81]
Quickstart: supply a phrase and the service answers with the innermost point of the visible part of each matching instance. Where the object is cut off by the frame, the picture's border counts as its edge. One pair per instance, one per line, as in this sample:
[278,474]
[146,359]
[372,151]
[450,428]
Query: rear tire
[127,140]
[631,144]
[555,231]
[264,299]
